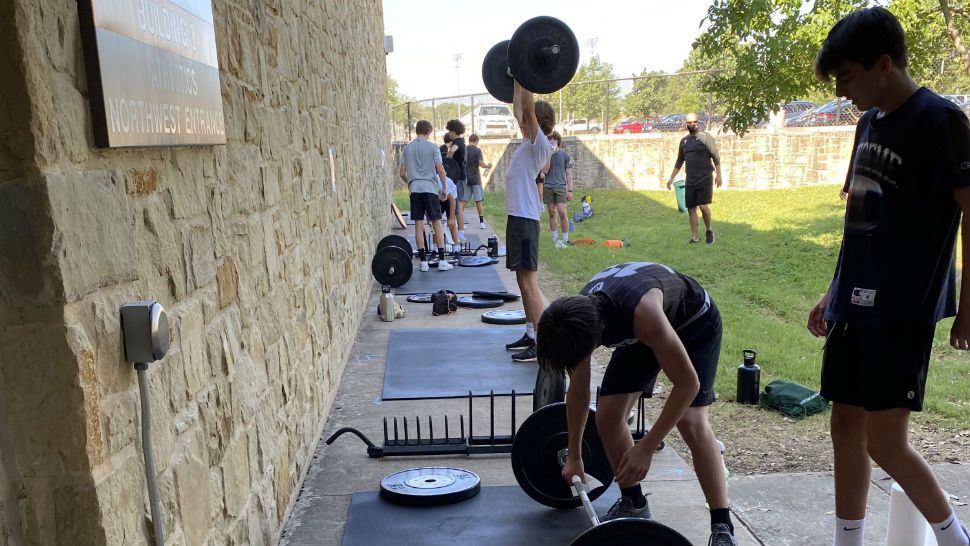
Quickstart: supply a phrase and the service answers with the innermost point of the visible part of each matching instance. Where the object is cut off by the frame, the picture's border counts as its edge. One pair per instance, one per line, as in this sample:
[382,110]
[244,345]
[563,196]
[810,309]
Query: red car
[628,126]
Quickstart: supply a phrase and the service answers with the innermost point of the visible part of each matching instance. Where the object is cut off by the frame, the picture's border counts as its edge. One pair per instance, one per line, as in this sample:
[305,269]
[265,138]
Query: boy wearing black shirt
[908,180]
[657,319]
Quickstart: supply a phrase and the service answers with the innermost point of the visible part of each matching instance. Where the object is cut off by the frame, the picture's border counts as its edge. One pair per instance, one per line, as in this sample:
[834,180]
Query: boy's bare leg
[695,429]
[852,464]
[419,233]
[461,215]
[532,299]
[552,217]
[563,219]
[888,442]
[452,220]
[692,216]
[612,411]
[439,234]
[481,211]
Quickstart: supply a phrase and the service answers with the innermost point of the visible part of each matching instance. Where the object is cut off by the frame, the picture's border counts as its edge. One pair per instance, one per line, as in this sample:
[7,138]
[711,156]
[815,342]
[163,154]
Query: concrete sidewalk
[775,510]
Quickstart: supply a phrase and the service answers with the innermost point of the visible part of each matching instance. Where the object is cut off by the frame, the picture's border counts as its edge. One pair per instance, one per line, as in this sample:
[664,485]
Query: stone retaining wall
[261,264]
[760,160]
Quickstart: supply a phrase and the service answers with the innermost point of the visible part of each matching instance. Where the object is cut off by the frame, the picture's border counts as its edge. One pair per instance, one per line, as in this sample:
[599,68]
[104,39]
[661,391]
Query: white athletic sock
[555,236]
[565,236]
[849,532]
[461,234]
[949,532]
[530,330]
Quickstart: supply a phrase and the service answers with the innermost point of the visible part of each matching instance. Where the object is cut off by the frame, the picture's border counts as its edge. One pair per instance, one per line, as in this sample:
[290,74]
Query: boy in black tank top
[656,319]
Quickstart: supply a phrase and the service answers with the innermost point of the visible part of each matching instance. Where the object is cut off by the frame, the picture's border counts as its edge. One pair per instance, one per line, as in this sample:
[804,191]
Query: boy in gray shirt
[557,190]
[424,174]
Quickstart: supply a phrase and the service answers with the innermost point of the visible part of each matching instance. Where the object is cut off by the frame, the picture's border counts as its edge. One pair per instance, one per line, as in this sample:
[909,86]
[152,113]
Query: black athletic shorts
[699,194]
[877,366]
[521,244]
[634,368]
[425,205]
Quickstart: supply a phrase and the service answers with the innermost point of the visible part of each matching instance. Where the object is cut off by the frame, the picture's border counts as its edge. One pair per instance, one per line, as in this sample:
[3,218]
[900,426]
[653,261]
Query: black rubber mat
[448,362]
[460,280]
[497,515]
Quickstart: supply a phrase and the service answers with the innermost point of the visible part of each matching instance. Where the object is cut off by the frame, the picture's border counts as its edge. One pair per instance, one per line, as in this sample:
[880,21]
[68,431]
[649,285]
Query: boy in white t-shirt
[524,203]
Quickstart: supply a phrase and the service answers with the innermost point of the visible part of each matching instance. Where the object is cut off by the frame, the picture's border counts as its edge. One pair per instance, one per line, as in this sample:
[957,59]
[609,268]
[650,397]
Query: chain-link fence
[643,104]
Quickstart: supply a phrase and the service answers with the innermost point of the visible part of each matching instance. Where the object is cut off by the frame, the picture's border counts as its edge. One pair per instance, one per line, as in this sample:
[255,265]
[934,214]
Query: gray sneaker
[623,508]
[721,535]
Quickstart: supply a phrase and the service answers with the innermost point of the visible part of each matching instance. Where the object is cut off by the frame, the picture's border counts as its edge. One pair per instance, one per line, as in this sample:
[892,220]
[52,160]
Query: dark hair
[456,127]
[447,138]
[473,138]
[545,116]
[423,127]
[557,137]
[568,331]
[862,36]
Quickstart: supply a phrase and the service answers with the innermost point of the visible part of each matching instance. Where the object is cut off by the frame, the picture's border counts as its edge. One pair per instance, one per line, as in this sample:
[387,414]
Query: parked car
[491,120]
[796,108]
[628,125]
[835,112]
[671,122]
[580,126]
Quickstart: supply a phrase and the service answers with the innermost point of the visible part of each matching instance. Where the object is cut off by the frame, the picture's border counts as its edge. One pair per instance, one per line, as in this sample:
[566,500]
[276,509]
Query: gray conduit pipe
[146,443]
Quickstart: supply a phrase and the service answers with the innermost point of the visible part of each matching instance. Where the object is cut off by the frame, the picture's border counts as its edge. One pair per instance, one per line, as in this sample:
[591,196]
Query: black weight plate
[478,303]
[630,532]
[476,261]
[496,295]
[534,68]
[495,72]
[392,266]
[419,298]
[536,451]
[550,388]
[430,486]
[396,240]
[504,316]
[451,169]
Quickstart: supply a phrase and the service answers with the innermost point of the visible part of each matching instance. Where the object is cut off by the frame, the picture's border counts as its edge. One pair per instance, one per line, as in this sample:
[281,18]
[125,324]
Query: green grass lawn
[774,256]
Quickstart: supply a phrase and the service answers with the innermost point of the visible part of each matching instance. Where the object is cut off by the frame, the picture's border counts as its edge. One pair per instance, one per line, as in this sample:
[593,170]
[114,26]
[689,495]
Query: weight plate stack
[478,303]
[419,298]
[430,486]
[477,261]
[538,455]
[396,240]
[543,54]
[504,316]
[392,266]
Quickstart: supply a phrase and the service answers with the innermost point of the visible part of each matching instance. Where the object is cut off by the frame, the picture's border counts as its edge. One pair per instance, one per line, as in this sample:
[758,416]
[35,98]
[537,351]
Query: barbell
[542,56]
[392,264]
[539,452]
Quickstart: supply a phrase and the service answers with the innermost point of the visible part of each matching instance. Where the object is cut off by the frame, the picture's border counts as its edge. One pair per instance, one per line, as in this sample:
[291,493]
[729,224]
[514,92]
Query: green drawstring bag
[792,400]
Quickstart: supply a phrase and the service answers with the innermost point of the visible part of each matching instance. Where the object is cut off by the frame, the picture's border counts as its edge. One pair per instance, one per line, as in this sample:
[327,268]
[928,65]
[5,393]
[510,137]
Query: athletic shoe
[424,266]
[623,508]
[693,241]
[483,225]
[443,265]
[721,535]
[528,355]
[710,237]
[524,343]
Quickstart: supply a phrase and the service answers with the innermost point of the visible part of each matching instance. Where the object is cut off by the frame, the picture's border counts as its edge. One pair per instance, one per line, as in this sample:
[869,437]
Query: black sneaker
[524,343]
[709,236]
[721,534]
[528,355]
[693,241]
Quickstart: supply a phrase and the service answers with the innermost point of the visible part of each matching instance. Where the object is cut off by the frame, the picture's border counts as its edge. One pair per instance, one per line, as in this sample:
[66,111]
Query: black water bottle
[749,379]
[493,246]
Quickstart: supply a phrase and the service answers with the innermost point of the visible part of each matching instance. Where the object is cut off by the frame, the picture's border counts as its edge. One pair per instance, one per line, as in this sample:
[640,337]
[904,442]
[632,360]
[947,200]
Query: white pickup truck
[581,127]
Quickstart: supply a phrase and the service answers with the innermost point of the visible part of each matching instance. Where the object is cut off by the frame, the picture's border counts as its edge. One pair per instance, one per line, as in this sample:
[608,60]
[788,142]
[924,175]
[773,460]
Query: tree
[652,95]
[590,100]
[774,43]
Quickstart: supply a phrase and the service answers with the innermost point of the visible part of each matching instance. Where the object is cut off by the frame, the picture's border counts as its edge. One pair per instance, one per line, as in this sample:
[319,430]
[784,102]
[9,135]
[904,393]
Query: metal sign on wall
[153,72]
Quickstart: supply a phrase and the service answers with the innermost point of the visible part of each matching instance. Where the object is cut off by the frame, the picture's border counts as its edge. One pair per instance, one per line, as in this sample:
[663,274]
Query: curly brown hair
[546,116]
[455,126]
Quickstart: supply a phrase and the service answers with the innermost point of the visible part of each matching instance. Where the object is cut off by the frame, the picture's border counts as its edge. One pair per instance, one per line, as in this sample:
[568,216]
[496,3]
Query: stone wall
[760,160]
[261,266]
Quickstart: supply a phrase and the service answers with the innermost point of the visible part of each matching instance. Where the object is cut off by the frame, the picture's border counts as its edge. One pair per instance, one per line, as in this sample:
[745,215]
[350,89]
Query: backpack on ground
[792,400]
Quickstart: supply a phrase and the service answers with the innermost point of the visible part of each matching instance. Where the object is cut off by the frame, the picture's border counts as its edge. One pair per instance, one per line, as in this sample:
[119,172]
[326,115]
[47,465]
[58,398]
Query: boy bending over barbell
[656,319]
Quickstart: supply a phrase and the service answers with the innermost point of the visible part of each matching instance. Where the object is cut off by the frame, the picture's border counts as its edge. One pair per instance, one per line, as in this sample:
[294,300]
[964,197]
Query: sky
[631,35]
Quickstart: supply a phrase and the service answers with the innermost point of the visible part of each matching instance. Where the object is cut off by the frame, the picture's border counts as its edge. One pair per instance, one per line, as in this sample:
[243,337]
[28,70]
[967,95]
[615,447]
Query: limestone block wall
[760,160]
[260,261]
